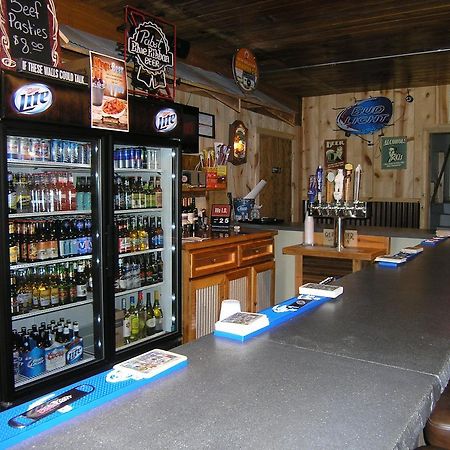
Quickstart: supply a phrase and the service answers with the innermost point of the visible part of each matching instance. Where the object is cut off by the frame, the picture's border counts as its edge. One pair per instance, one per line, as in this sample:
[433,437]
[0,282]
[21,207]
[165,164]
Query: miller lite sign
[32,98]
[165,120]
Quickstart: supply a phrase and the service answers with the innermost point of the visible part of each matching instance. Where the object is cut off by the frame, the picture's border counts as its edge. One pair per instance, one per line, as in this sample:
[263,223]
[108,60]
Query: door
[275,168]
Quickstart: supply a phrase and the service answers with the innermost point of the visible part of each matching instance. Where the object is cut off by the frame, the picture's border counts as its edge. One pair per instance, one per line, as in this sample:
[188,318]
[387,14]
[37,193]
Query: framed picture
[206,125]
[238,143]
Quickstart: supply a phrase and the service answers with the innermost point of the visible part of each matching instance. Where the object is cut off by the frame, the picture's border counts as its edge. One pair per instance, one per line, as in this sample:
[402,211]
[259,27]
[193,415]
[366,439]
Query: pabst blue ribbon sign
[365,116]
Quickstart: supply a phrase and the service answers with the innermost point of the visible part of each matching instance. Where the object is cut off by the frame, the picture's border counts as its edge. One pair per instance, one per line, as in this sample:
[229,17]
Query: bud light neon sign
[32,98]
[365,116]
[166,120]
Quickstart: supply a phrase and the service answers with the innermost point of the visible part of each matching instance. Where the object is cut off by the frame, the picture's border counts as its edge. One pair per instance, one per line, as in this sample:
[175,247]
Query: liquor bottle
[158,193]
[126,323]
[157,311]
[150,322]
[81,283]
[12,195]
[134,320]
[142,313]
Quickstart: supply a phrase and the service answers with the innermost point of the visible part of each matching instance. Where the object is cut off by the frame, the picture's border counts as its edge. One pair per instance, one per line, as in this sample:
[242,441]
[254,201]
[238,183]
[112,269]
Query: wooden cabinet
[240,267]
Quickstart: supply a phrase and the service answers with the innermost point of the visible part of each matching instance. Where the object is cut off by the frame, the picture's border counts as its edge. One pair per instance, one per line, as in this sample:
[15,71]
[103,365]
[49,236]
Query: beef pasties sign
[150,46]
[365,116]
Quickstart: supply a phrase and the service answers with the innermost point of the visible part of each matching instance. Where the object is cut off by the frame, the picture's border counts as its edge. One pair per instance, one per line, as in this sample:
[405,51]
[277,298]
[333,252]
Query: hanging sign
[29,30]
[365,116]
[245,69]
[335,150]
[149,44]
[393,152]
[109,93]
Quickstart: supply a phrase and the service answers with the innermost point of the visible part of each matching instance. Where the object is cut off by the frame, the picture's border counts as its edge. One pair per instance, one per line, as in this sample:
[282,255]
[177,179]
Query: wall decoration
[150,44]
[238,143]
[393,152]
[245,69]
[109,93]
[365,116]
[335,153]
[206,125]
[28,30]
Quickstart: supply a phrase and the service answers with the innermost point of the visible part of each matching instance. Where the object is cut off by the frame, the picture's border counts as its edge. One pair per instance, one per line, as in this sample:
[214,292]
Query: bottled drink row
[49,347]
[47,192]
[139,320]
[138,233]
[136,158]
[40,288]
[33,241]
[134,193]
[54,150]
[137,271]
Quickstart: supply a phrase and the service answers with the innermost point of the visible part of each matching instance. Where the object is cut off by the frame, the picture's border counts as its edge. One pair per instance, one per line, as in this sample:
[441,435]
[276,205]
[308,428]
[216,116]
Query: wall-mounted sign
[109,93]
[335,151]
[238,143]
[29,30]
[220,216]
[33,98]
[245,69]
[393,152]
[365,116]
[43,70]
[150,44]
[165,120]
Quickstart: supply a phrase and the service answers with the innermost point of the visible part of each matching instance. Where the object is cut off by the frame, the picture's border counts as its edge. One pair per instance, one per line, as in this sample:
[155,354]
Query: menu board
[29,30]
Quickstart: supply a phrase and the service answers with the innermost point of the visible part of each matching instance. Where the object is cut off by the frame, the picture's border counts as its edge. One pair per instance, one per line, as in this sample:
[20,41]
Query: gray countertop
[360,372]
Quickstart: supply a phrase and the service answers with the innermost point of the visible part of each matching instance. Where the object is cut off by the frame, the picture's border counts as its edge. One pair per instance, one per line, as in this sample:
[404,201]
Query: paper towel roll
[308,238]
[256,190]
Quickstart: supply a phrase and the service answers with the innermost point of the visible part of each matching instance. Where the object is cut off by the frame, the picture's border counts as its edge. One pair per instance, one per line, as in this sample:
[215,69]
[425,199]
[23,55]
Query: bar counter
[362,371]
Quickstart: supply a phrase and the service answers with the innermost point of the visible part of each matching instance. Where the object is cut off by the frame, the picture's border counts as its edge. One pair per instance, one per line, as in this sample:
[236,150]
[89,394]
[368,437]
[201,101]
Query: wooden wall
[427,113]
[242,178]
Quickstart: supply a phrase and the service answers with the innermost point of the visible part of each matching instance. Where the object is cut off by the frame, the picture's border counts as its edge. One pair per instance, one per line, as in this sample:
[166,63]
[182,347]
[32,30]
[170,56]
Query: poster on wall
[393,152]
[335,151]
[109,93]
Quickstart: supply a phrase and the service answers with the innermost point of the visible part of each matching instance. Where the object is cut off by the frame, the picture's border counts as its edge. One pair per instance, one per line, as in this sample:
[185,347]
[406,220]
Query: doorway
[439,195]
[276,169]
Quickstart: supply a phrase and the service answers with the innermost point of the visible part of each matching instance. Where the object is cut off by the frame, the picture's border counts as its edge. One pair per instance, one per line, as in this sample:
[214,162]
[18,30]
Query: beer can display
[12,147]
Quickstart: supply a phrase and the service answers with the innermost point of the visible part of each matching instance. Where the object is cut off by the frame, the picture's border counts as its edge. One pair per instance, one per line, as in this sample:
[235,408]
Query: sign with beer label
[365,116]
[109,93]
[245,69]
[393,152]
[335,151]
[150,44]
[220,216]
[29,30]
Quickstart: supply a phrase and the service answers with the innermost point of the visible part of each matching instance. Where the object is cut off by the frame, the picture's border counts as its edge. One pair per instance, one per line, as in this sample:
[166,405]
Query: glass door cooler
[52,261]
[146,269]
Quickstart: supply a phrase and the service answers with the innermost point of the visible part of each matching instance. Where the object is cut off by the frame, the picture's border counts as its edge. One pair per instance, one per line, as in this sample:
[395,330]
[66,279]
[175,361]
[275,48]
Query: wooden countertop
[359,253]
[214,239]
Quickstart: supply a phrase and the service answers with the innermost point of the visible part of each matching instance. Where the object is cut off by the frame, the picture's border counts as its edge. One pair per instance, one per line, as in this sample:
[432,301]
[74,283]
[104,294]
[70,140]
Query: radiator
[206,309]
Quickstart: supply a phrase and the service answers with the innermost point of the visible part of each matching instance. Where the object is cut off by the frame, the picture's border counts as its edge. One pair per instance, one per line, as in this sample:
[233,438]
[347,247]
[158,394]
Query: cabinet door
[263,285]
[203,308]
[238,286]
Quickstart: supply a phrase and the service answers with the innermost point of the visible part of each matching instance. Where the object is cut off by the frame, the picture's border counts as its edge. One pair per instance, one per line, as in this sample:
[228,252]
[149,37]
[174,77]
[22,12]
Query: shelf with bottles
[141,171]
[86,212]
[40,312]
[138,321]
[51,347]
[14,267]
[137,289]
[141,340]
[48,165]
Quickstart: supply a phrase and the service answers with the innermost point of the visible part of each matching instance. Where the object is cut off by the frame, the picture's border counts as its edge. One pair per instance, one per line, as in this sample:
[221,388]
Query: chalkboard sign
[29,30]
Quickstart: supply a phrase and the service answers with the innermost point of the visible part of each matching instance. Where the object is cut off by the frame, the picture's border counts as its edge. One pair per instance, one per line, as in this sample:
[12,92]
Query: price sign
[220,216]
[29,30]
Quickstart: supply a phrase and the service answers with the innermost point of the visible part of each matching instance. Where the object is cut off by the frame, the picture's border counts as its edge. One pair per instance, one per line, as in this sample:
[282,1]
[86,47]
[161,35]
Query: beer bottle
[15,307]
[24,292]
[134,320]
[143,235]
[150,323]
[127,194]
[126,323]
[63,284]
[134,236]
[81,283]
[159,233]
[142,313]
[80,188]
[160,266]
[12,195]
[44,289]
[157,311]
[158,193]
[13,243]
[54,288]
[88,194]
[152,194]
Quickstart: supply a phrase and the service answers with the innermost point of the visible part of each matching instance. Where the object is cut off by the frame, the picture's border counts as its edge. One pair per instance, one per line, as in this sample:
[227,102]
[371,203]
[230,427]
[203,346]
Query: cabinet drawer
[206,262]
[256,251]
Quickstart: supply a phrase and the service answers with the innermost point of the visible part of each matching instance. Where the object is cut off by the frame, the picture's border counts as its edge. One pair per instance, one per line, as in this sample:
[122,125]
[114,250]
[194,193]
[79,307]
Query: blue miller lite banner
[365,116]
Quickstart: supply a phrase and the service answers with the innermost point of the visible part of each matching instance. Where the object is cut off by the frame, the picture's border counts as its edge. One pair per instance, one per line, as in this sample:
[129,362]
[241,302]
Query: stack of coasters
[392,260]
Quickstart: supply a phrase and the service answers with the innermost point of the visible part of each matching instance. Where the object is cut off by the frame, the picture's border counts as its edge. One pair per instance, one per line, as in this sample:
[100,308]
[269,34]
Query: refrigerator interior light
[173,248]
[173,226]
[173,154]
[173,175]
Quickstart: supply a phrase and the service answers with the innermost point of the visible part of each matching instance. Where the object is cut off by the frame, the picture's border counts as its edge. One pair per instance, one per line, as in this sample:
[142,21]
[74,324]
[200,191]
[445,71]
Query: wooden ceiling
[313,47]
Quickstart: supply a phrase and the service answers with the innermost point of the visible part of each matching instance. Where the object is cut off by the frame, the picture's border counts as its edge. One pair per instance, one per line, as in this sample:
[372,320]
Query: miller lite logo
[166,120]
[75,354]
[32,98]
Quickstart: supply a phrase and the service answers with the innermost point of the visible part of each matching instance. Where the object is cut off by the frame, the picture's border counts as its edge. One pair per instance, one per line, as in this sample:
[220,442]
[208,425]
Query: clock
[220,216]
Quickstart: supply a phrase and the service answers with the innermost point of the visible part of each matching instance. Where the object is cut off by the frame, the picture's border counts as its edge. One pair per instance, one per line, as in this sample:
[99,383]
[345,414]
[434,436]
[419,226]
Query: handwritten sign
[29,30]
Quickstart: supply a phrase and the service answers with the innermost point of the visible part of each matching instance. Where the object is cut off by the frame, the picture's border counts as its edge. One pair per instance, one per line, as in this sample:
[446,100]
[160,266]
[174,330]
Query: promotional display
[89,232]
